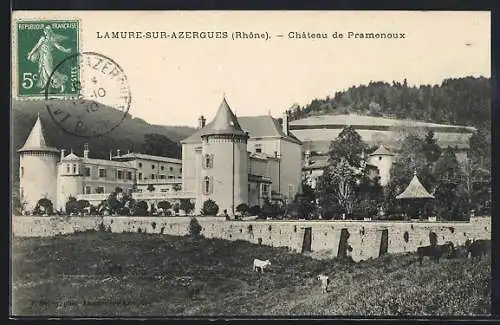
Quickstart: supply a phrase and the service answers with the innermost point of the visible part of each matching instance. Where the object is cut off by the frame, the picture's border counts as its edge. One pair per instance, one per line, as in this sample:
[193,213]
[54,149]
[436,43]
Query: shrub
[164,205]
[194,227]
[44,206]
[254,210]
[72,205]
[242,208]
[186,205]
[210,208]
[141,208]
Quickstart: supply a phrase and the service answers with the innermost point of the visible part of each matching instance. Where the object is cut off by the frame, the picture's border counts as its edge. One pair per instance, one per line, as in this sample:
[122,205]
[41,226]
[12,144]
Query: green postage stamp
[41,45]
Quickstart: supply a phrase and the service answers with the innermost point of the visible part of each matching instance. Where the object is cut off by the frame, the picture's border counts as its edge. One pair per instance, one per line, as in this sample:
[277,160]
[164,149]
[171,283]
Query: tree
[164,205]
[430,148]
[141,208]
[254,210]
[159,145]
[194,227]
[44,206]
[71,205]
[342,182]
[210,208]
[81,205]
[348,145]
[187,206]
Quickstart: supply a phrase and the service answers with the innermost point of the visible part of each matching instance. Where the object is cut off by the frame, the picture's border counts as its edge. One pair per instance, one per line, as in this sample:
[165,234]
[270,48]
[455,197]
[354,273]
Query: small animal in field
[435,252]
[325,281]
[478,248]
[260,264]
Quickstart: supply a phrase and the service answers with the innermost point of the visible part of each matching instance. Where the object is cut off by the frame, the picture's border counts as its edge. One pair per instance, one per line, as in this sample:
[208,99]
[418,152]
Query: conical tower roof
[415,190]
[36,139]
[224,122]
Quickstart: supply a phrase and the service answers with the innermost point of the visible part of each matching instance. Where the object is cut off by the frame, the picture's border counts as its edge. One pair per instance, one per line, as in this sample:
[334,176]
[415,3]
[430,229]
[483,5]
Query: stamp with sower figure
[41,46]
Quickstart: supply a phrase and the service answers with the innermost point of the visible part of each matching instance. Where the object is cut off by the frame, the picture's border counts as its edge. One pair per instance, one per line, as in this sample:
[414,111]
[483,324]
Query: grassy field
[130,274]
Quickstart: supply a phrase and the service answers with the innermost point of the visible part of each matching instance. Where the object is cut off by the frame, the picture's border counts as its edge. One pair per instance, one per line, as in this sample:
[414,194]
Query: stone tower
[37,169]
[224,162]
[382,158]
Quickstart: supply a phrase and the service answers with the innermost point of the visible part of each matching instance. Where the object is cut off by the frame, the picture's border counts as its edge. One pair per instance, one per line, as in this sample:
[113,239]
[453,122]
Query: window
[171,169]
[379,157]
[74,168]
[129,176]
[164,190]
[152,176]
[88,189]
[99,189]
[102,172]
[291,191]
[140,165]
[67,168]
[22,171]
[170,177]
[162,176]
[208,161]
[162,167]
[140,175]
[180,170]
[87,171]
[258,148]
[264,190]
[153,166]
[119,174]
[207,185]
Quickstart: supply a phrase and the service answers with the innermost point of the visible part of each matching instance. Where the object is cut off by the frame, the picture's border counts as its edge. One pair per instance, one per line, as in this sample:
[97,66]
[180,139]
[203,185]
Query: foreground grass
[106,274]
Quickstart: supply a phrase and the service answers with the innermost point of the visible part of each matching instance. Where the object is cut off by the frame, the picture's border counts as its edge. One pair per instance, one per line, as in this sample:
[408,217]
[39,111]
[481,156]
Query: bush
[141,208]
[242,209]
[165,205]
[194,227]
[44,206]
[210,208]
[254,210]
[186,205]
[72,205]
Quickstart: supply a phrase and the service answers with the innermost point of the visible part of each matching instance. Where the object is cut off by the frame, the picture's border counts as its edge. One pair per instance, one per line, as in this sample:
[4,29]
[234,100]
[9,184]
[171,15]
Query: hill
[137,274]
[460,101]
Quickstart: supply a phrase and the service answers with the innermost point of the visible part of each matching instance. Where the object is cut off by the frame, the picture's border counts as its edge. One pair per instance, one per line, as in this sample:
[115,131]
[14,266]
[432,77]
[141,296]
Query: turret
[37,168]
[224,159]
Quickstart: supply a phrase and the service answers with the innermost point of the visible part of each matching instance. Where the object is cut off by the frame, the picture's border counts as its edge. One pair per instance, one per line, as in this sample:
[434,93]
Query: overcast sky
[173,82]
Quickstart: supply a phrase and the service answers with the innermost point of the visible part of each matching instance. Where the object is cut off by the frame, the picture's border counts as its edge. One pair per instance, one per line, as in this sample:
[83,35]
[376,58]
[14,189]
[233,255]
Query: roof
[72,156]
[415,190]
[106,162]
[224,122]
[316,162]
[133,155]
[36,139]
[364,120]
[381,150]
[257,127]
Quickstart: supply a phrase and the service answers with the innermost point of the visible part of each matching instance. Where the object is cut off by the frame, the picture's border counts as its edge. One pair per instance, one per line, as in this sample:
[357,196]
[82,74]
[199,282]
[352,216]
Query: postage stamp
[102,89]
[42,45]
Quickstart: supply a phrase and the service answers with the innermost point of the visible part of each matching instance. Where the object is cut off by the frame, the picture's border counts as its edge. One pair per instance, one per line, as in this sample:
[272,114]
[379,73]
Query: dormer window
[258,148]
[74,168]
[208,161]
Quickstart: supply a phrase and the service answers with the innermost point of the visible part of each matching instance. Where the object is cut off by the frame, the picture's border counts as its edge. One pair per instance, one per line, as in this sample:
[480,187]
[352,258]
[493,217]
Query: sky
[174,81]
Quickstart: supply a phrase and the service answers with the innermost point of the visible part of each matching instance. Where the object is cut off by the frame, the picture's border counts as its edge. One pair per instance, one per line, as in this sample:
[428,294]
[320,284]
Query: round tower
[70,181]
[224,158]
[37,169]
[382,159]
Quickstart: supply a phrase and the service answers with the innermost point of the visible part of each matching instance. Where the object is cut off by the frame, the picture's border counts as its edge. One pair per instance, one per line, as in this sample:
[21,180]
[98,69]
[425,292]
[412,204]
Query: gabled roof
[71,156]
[381,151]
[415,190]
[36,139]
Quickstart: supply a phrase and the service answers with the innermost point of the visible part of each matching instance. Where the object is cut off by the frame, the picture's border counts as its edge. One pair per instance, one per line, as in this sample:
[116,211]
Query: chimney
[63,153]
[118,152]
[285,123]
[201,122]
[86,151]
[111,155]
